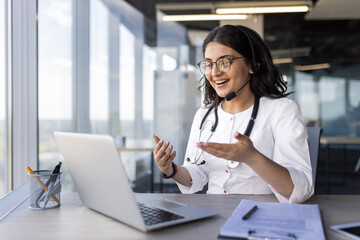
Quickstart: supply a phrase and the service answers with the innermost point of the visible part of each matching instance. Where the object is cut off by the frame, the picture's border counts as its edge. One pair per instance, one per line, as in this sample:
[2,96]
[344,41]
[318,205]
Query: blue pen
[52,182]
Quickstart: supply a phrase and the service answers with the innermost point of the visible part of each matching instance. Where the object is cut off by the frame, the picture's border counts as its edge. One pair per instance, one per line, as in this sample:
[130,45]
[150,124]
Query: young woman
[250,138]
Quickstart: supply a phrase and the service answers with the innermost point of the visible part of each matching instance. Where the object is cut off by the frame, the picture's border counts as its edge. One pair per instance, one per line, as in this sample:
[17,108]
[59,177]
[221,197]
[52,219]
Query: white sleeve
[198,174]
[291,150]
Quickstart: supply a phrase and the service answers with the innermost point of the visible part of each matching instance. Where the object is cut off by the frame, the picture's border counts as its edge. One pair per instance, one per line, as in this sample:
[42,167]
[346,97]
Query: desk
[340,140]
[74,221]
[343,142]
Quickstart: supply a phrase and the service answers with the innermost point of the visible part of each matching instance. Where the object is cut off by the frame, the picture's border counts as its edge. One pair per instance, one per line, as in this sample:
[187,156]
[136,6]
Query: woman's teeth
[221,81]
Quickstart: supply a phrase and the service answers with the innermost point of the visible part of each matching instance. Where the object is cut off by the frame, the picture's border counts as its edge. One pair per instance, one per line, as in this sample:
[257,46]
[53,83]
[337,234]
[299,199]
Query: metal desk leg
[161,185]
[343,164]
[152,173]
[327,168]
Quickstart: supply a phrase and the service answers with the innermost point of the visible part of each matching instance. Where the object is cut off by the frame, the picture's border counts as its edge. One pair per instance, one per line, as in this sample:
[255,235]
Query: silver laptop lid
[99,176]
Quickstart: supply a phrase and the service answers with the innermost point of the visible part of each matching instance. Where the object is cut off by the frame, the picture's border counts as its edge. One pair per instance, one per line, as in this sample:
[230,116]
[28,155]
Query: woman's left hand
[241,151]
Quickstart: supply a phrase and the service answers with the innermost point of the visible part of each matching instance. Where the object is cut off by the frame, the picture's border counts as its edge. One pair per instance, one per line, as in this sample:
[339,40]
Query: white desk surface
[74,221]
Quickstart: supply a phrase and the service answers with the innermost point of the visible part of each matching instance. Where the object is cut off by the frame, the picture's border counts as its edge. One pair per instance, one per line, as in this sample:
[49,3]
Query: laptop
[101,181]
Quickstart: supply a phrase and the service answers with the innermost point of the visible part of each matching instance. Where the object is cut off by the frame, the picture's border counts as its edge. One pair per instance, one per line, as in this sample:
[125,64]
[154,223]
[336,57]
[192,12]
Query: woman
[243,155]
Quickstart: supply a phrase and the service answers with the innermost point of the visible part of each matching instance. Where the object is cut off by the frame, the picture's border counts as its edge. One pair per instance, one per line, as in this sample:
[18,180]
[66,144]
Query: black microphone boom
[231,95]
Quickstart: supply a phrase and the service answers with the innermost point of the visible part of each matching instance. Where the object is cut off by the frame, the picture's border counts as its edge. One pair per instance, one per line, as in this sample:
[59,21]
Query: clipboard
[274,221]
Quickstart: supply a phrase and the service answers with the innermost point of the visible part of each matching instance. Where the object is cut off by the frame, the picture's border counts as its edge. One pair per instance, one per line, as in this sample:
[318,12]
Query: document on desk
[274,221]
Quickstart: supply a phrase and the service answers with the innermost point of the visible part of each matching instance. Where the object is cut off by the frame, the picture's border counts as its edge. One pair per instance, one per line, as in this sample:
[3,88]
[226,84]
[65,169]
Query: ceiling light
[202,17]
[212,5]
[312,67]
[255,10]
[282,60]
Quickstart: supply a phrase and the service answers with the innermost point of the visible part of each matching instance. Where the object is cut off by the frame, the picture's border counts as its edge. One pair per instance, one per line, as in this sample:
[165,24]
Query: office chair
[314,134]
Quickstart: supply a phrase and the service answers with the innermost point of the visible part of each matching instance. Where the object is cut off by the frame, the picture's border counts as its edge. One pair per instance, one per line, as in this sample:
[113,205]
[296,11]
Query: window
[354,102]
[99,65]
[54,77]
[127,81]
[149,68]
[307,97]
[333,106]
[354,90]
[3,142]
[168,63]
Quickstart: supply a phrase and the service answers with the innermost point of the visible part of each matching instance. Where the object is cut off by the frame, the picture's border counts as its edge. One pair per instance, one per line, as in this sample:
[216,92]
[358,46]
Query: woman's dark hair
[267,81]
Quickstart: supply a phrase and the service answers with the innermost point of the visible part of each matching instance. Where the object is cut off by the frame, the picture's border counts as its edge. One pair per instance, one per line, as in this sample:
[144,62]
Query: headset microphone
[231,95]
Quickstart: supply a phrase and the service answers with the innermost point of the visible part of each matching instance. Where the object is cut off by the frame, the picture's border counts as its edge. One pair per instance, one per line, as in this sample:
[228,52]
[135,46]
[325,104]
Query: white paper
[275,220]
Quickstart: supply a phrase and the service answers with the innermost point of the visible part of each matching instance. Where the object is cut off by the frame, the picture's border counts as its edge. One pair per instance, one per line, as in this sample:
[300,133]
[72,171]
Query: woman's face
[239,74]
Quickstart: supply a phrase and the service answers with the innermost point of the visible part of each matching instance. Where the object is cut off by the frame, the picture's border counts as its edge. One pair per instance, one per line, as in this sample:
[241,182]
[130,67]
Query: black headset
[255,66]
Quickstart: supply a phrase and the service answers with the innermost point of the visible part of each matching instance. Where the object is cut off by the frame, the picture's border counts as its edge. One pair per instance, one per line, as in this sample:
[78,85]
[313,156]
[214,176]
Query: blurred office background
[117,67]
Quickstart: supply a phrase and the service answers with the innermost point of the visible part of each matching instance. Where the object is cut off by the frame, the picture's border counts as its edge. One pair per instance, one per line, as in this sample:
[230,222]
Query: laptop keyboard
[152,215]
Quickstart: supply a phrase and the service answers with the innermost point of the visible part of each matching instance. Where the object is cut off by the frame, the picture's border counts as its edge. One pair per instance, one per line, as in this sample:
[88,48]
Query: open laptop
[101,181]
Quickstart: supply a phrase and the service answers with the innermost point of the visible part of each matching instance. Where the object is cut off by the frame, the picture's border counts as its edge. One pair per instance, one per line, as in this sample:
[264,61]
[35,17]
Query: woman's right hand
[164,155]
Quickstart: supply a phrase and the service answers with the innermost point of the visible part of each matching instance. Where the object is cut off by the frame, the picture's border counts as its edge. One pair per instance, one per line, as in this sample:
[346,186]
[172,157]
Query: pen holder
[45,188]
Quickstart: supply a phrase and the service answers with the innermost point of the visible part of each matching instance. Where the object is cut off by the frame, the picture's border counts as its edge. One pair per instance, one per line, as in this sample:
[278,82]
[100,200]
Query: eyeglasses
[223,64]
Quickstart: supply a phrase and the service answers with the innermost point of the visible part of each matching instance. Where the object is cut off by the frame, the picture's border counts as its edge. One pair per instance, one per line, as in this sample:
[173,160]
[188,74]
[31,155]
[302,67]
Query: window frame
[23,113]
[8,166]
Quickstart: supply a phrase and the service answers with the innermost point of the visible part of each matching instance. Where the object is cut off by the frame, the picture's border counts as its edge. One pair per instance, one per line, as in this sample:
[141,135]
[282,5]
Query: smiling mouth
[219,82]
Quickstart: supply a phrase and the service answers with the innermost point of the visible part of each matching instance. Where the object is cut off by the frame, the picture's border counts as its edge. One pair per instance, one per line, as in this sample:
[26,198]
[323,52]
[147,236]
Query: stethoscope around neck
[229,163]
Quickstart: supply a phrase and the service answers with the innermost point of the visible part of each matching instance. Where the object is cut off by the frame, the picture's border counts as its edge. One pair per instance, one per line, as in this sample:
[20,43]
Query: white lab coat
[279,133]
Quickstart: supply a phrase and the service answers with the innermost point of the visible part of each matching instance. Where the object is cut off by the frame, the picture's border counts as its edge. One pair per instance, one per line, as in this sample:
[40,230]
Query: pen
[52,182]
[249,213]
[56,170]
[42,184]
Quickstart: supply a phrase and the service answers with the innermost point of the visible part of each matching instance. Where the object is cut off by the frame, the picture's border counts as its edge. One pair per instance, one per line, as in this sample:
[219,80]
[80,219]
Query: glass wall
[116,60]
[3,144]
[333,106]
[127,82]
[331,102]
[149,68]
[99,67]
[54,76]
[354,105]
[306,92]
